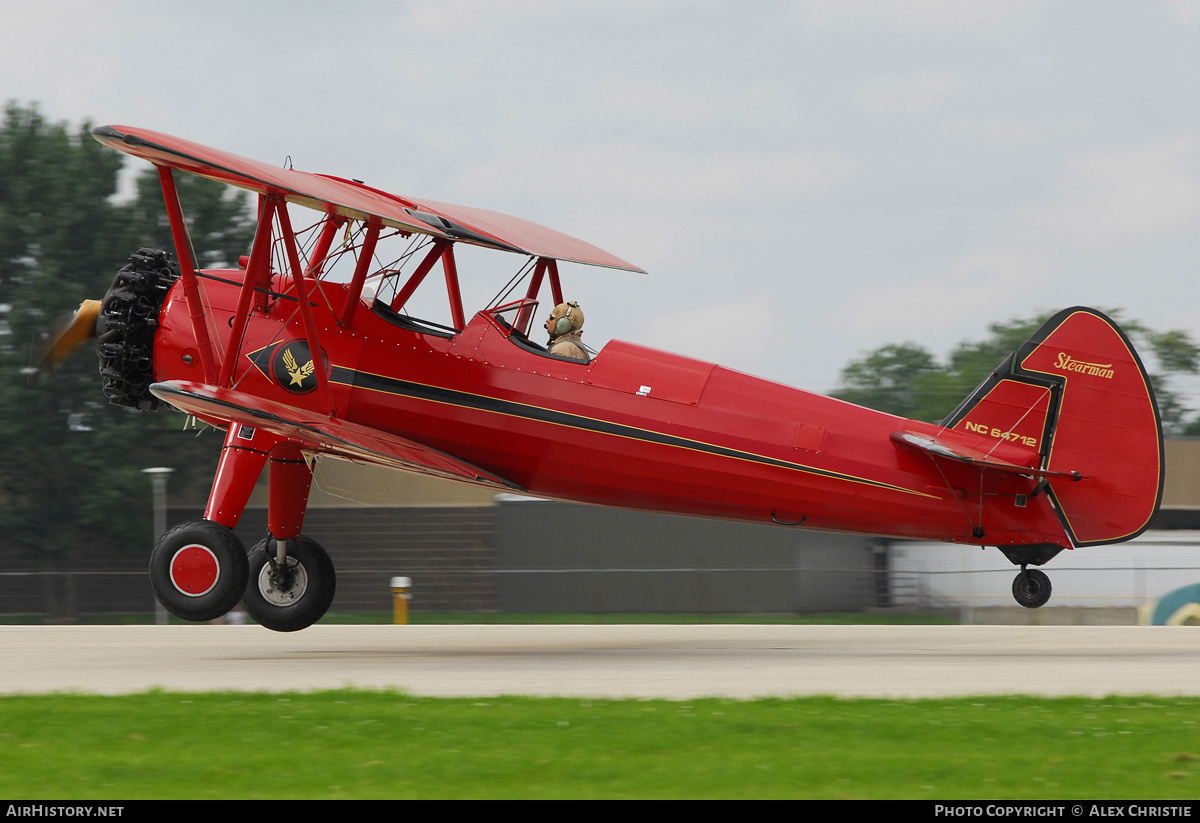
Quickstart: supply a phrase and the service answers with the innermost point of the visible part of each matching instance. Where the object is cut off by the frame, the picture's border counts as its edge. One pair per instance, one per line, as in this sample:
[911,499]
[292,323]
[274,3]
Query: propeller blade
[80,329]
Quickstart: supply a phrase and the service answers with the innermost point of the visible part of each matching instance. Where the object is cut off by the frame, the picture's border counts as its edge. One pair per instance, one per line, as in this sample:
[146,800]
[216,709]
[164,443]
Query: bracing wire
[507,288]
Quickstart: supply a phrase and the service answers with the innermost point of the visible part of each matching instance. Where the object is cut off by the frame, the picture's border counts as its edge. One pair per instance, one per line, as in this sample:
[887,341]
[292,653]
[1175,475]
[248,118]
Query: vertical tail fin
[1075,398]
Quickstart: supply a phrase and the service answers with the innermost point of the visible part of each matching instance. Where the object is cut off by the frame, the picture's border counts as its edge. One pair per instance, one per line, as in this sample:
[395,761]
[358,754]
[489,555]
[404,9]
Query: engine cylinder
[126,326]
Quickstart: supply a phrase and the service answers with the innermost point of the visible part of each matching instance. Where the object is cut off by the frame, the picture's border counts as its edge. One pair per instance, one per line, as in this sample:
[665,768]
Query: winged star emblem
[296,372]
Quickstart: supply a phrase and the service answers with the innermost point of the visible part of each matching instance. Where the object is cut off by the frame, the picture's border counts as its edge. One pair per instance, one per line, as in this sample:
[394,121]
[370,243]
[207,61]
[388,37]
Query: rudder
[1075,398]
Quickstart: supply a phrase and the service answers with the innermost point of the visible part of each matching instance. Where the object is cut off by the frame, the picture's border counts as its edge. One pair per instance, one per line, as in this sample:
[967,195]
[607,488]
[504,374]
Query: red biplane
[1059,447]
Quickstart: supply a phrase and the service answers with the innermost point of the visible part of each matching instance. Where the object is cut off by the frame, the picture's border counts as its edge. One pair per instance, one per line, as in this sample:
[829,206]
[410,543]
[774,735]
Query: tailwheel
[1031,588]
[198,570]
[292,594]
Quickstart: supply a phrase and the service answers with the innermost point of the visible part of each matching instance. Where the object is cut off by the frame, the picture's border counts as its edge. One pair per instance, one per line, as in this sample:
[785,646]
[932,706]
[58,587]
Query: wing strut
[435,253]
[365,255]
[316,260]
[257,273]
[535,285]
[310,325]
[555,287]
[187,269]
[451,271]
[545,266]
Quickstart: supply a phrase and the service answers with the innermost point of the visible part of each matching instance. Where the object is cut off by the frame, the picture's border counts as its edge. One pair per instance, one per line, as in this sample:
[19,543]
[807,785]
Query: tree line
[70,465]
[905,379]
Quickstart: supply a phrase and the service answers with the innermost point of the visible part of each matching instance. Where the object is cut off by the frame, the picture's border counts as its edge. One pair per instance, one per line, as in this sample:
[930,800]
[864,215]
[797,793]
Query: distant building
[468,549]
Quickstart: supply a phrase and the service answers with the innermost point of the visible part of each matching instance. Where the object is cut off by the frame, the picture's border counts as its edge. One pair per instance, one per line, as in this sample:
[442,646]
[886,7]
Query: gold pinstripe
[750,456]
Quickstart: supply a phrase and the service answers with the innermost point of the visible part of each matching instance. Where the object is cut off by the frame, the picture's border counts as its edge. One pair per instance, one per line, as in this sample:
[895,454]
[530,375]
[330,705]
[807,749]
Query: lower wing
[322,435]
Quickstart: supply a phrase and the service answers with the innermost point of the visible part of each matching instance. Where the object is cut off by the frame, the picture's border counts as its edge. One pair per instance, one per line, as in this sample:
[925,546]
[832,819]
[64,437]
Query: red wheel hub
[194,570]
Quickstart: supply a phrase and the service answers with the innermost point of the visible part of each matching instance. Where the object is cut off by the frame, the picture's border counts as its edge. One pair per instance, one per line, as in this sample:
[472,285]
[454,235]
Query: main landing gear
[200,570]
[289,590]
[1031,588]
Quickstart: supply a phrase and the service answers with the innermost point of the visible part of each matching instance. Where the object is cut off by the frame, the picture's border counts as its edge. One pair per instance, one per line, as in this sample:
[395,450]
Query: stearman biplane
[1059,447]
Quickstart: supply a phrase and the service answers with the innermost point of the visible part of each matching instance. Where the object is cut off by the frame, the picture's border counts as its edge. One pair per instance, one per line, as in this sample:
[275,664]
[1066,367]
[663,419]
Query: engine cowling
[126,326]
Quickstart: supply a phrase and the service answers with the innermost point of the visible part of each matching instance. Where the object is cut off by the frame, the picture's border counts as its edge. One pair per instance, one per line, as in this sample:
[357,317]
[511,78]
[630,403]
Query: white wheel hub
[280,597]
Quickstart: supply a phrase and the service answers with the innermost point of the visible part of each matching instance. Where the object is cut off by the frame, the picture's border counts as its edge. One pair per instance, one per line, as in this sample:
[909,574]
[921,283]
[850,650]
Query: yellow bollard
[400,598]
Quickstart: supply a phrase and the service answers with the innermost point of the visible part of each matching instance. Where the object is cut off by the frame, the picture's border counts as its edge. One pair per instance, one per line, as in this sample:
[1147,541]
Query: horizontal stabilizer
[964,453]
[321,434]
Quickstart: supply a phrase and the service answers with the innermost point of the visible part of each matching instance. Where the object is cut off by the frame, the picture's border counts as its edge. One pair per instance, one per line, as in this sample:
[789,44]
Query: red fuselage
[635,427]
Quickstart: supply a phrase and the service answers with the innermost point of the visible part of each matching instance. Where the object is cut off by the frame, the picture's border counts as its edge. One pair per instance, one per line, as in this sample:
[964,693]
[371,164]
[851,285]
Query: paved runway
[677,662]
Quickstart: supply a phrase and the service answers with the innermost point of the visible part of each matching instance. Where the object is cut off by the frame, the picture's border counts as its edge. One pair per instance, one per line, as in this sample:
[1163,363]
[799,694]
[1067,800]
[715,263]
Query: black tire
[1031,588]
[198,570]
[284,605]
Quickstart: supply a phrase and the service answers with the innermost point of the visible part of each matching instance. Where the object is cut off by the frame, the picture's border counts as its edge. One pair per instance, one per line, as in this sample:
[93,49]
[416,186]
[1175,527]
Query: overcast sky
[804,181]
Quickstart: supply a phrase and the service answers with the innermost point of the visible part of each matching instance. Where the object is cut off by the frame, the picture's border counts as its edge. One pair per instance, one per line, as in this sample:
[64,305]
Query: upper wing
[357,201]
[529,237]
[321,434]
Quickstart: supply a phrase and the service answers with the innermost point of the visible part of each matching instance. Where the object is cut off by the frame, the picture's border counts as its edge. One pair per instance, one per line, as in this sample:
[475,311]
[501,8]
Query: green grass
[363,744]
[497,618]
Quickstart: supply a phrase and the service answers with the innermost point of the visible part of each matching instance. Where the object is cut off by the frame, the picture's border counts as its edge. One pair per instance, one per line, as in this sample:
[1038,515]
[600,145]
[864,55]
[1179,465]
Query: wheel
[294,595]
[198,570]
[1031,588]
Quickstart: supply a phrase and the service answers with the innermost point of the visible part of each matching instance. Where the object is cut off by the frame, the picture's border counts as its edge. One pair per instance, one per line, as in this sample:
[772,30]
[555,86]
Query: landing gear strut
[290,593]
[1031,588]
[200,570]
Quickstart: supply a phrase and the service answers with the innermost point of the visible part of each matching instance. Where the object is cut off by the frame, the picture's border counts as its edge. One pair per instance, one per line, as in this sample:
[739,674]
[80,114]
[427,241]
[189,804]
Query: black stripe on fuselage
[436,394]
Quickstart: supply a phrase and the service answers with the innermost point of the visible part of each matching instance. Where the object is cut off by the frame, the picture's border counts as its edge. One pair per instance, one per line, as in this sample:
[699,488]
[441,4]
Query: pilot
[565,326]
